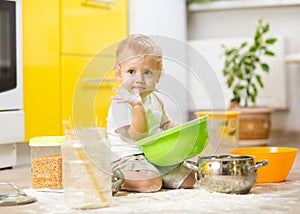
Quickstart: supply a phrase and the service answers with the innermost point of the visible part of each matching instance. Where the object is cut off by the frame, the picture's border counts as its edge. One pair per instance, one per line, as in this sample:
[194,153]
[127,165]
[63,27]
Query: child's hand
[124,96]
[170,124]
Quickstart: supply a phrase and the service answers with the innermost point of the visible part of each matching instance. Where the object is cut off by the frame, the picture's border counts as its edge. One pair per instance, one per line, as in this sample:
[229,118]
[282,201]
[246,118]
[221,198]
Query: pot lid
[14,196]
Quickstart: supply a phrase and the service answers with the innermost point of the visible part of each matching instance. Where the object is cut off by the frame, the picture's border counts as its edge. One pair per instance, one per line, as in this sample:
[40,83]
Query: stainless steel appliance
[11,81]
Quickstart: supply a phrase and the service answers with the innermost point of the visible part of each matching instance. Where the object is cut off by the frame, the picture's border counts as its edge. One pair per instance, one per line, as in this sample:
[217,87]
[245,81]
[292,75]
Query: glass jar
[224,129]
[86,168]
[46,161]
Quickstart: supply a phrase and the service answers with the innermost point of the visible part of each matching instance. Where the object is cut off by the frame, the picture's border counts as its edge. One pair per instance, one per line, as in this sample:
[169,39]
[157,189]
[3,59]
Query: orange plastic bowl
[280,161]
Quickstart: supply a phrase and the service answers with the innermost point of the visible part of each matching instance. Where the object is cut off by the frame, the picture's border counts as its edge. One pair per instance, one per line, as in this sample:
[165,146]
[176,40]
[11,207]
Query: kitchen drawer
[89,25]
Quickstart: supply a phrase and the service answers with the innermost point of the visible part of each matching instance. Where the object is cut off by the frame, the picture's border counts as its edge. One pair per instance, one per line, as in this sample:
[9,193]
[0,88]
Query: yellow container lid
[218,114]
[46,141]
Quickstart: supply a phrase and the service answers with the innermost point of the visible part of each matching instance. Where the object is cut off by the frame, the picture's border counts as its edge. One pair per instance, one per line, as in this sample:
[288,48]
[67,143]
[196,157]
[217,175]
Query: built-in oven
[11,81]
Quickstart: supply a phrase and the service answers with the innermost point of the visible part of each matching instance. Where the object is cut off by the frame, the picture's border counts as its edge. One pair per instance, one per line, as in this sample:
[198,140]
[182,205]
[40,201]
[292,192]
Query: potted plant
[243,69]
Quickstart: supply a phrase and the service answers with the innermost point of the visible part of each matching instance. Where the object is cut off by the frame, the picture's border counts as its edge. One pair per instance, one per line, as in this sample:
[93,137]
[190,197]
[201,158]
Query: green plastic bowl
[176,144]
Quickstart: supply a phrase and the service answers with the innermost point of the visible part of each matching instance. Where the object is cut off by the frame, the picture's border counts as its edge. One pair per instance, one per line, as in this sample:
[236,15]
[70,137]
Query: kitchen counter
[282,197]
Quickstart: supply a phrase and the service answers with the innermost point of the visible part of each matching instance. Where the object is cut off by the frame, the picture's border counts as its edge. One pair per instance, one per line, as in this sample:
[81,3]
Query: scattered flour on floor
[177,201]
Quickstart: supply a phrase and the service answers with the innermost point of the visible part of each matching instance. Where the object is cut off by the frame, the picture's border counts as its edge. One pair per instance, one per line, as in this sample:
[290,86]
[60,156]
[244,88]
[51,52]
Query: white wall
[240,22]
[157,17]
[165,21]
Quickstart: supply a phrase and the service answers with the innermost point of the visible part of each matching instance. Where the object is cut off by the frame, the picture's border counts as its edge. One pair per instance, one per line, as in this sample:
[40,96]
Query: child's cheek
[127,83]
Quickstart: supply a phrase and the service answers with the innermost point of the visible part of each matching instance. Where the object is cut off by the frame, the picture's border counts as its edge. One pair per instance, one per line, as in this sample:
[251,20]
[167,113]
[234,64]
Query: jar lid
[46,141]
[218,114]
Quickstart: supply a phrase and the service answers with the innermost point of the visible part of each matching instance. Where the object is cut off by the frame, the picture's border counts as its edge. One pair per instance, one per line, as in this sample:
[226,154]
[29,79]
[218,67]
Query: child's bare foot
[141,181]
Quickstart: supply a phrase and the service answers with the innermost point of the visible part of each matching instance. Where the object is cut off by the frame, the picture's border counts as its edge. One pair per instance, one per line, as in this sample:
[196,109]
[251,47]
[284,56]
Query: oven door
[11,87]
[11,81]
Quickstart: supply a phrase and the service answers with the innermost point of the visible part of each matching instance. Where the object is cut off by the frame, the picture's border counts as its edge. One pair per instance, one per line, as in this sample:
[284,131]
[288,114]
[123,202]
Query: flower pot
[254,126]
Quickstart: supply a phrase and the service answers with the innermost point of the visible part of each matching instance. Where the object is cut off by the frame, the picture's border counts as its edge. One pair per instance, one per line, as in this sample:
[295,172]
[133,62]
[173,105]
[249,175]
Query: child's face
[140,74]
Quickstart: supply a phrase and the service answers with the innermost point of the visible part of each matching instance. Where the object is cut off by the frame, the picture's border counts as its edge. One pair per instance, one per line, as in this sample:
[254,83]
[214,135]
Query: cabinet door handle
[90,80]
[102,1]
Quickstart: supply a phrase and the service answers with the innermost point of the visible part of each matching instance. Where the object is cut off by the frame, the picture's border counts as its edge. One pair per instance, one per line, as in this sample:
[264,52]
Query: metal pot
[226,173]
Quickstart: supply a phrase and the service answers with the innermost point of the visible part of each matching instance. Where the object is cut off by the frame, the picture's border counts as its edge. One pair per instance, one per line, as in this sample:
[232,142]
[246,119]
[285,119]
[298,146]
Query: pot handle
[191,165]
[261,163]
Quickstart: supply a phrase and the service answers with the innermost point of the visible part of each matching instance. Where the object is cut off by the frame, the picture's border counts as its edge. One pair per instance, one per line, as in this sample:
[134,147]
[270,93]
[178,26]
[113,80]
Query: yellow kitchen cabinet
[90,32]
[61,38]
[41,68]
[87,88]
[90,25]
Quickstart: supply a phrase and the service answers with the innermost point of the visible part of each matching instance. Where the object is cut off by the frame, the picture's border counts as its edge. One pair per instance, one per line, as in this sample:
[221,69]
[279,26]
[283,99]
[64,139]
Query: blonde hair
[137,45]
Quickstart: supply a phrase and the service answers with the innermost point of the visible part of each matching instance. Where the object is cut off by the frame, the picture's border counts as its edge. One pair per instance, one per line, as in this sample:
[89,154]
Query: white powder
[265,198]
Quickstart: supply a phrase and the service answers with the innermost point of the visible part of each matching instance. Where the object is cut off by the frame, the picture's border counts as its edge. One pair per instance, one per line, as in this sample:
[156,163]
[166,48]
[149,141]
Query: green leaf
[253,48]
[252,98]
[240,87]
[240,75]
[248,69]
[257,39]
[244,44]
[232,133]
[263,47]
[227,63]
[225,72]
[229,52]
[230,81]
[269,53]
[271,40]
[259,80]
[265,67]
[266,28]
[254,89]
